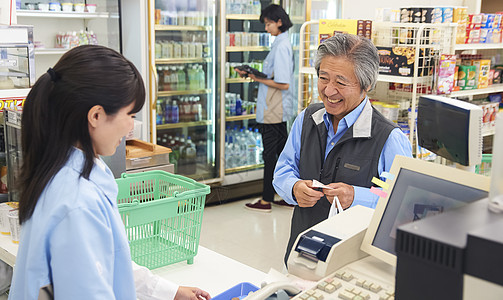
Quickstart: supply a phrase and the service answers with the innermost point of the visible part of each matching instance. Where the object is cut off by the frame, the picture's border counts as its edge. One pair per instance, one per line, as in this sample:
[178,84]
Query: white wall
[366,9]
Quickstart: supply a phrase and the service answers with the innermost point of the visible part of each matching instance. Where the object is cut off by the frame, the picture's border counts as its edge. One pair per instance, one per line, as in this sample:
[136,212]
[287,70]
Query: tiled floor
[256,239]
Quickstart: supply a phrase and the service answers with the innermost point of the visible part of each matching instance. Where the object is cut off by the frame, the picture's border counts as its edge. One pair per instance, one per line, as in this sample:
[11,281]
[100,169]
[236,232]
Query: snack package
[445,73]
[466,77]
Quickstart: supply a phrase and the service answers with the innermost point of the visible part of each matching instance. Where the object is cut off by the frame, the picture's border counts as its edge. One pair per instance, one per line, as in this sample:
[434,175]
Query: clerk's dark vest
[353,160]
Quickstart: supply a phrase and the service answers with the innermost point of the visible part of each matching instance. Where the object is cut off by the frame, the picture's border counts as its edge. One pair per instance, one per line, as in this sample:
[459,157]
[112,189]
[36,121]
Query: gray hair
[356,49]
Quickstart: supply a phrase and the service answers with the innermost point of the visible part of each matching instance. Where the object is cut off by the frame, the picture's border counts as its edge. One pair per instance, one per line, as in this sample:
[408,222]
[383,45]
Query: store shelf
[242,17]
[478,46]
[495,88]
[168,61]
[180,93]
[237,80]
[181,28]
[50,51]
[240,118]
[62,14]
[403,79]
[247,49]
[297,19]
[184,125]
[243,168]
[307,70]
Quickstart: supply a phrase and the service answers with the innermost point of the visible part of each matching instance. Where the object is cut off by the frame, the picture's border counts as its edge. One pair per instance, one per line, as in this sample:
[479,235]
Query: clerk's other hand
[191,293]
[305,195]
[345,193]
[241,73]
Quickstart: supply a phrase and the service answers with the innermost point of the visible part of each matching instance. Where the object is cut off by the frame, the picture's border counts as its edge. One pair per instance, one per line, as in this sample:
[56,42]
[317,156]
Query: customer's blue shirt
[287,173]
[279,64]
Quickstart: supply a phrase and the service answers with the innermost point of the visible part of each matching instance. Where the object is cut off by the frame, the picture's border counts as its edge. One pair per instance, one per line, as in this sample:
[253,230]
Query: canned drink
[14,226]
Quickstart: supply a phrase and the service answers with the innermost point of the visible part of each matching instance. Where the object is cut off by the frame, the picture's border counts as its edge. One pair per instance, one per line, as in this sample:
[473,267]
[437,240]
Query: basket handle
[135,202]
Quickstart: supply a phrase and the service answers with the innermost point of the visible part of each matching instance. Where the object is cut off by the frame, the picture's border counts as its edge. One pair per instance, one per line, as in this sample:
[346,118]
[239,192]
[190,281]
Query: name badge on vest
[351,167]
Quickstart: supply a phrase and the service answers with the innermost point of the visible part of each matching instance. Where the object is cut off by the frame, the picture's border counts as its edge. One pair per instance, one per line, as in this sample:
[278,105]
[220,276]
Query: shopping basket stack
[162,214]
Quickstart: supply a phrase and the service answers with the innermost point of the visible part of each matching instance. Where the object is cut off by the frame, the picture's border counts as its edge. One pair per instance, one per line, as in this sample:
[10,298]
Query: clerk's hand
[243,74]
[345,193]
[191,293]
[305,195]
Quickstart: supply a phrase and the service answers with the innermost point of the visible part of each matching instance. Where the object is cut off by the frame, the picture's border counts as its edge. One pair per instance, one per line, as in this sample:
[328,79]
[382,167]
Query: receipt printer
[330,244]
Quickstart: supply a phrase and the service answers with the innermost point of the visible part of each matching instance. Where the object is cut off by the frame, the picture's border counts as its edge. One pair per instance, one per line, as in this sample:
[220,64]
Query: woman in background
[275,103]
[73,243]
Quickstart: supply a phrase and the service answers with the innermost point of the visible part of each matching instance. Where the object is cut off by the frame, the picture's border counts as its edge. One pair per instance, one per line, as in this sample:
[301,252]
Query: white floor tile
[256,239]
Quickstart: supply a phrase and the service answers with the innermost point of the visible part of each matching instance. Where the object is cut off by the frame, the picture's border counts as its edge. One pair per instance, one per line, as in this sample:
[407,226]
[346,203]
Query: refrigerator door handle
[156,87]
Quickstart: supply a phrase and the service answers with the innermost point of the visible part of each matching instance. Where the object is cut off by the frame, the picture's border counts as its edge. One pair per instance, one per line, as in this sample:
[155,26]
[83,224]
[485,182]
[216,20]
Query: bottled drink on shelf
[252,149]
[181,79]
[166,79]
[175,114]
[174,78]
[168,108]
[239,106]
[201,78]
[190,157]
[160,117]
[260,147]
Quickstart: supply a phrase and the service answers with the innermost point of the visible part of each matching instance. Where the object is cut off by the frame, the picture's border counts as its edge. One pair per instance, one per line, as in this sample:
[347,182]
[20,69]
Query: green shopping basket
[162,213]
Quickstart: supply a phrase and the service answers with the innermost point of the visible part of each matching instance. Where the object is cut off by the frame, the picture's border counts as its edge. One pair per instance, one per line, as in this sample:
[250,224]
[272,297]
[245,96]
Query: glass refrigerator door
[183,60]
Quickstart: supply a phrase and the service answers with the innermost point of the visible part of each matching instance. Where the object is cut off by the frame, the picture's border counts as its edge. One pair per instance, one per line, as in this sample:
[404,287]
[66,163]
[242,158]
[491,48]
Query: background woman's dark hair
[275,12]
[55,114]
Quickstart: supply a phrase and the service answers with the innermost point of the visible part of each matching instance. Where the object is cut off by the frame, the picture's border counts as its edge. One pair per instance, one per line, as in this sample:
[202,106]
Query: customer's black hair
[274,13]
[55,114]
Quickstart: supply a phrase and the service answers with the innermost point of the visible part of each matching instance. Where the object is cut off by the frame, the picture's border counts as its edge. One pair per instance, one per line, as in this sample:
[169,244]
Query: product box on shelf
[445,73]
[400,61]
[466,77]
[327,28]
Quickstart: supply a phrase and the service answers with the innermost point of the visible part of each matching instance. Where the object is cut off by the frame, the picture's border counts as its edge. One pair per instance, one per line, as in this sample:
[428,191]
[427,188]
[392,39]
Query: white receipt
[317,184]
[336,207]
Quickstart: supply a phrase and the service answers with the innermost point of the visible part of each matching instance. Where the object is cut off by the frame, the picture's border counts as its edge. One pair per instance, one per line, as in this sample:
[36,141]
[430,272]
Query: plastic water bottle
[190,157]
[260,147]
[201,78]
[251,145]
[181,79]
[239,106]
[168,111]
[159,120]
[201,152]
[175,115]
[229,153]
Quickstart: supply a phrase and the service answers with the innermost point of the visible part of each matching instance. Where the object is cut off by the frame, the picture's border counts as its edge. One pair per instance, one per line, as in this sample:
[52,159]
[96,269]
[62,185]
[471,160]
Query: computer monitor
[450,128]
[420,189]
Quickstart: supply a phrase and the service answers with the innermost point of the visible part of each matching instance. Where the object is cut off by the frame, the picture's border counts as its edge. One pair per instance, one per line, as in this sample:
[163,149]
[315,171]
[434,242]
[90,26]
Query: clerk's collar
[281,36]
[360,118]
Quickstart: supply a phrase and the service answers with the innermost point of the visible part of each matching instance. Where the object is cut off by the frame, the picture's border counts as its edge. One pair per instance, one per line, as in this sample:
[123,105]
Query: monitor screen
[416,196]
[419,189]
[450,128]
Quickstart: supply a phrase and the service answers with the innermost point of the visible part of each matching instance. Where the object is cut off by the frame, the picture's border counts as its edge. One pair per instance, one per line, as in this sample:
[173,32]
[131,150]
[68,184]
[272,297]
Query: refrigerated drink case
[182,62]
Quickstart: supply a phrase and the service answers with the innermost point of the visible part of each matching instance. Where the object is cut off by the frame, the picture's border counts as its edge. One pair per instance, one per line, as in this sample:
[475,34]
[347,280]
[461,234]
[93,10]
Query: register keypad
[348,284]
